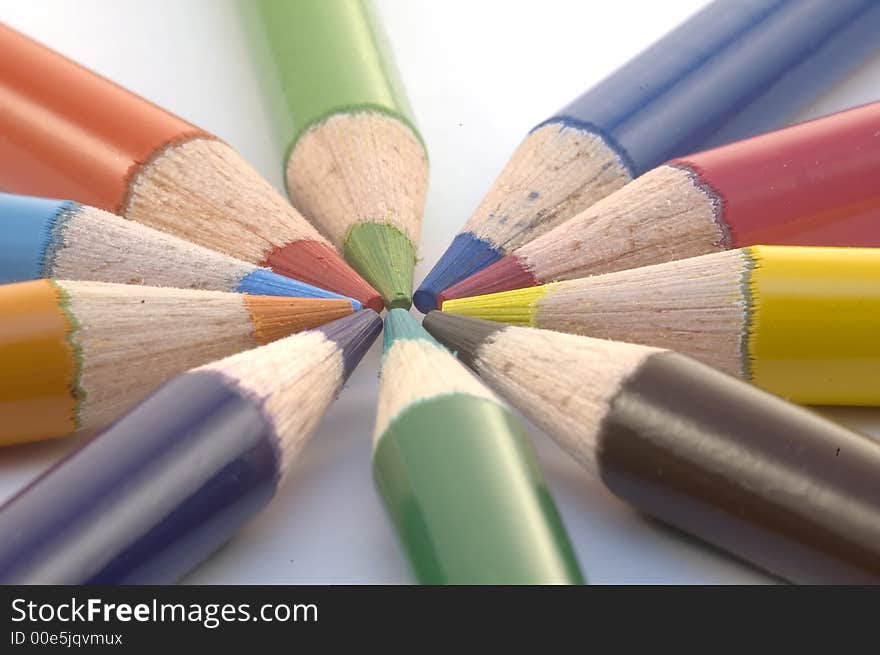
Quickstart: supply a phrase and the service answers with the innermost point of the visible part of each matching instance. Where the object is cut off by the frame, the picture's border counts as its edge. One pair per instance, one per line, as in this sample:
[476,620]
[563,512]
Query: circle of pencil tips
[458,473]
[167,174]
[764,479]
[43,238]
[800,321]
[78,354]
[812,184]
[730,71]
[179,474]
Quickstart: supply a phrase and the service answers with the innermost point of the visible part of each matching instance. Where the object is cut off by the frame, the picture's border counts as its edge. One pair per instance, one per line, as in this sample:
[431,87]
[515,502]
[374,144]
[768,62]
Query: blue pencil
[174,479]
[735,69]
[43,238]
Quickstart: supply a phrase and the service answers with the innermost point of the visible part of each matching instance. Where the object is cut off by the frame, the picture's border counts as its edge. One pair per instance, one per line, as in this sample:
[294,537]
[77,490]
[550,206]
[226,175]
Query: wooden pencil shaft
[83,352]
[469,531]
[798,321]
[458,474]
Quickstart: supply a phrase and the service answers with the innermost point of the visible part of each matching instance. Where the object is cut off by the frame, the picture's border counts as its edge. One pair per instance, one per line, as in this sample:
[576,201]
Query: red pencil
[816,184]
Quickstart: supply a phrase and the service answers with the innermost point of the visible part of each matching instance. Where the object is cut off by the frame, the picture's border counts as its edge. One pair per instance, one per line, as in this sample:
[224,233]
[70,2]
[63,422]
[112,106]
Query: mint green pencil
[355,164]
[458,474]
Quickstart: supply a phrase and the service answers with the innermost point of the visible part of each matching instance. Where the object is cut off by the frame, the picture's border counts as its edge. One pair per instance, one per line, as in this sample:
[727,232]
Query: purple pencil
[171,481]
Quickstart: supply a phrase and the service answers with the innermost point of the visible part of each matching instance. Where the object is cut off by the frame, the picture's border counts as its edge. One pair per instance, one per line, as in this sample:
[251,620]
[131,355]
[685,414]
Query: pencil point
[385,257]
[505,274]
[465,256]
[319,264]
[275,317]
[262,282]
[518,306]
[400,324]
[354,335]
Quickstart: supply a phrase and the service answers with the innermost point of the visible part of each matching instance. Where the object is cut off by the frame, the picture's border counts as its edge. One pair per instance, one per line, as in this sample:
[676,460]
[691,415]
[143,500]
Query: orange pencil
[69,133]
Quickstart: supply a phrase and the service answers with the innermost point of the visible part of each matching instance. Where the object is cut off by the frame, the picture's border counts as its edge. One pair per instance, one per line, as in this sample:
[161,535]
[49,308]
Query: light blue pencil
[43,238]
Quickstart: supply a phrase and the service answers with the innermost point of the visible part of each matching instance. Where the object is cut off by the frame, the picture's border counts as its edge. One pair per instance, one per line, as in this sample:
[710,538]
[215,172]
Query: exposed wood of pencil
[556,172]
[416,369]
[128,339]
[359,166]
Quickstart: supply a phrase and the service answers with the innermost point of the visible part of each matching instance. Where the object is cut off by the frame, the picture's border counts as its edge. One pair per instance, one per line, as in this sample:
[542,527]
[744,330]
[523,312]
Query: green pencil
[458,473]
[355,164]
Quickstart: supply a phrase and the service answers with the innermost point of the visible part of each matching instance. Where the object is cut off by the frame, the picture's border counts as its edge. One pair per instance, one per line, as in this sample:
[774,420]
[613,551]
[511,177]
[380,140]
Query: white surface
[479,75]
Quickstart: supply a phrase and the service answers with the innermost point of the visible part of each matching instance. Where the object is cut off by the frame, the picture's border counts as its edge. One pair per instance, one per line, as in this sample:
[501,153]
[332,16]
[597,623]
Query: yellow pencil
[803,322]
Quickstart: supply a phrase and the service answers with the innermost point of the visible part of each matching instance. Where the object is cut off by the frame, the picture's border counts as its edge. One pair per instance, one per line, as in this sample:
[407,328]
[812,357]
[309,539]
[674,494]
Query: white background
[479,74]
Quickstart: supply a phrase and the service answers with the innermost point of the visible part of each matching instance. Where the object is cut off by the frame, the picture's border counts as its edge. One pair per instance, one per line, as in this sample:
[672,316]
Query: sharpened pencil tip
[399,325]
[385,257]
[465,256]
[319,264]
[354,335]
[504,275]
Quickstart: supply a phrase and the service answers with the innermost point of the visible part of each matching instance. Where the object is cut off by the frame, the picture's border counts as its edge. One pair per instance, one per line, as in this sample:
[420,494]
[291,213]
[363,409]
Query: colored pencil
[77,354]
[458,473]
[43,238]
[802,322]
[766,480]
[175,478]
[813,184]
[355,163]
[69,133]
[733,70]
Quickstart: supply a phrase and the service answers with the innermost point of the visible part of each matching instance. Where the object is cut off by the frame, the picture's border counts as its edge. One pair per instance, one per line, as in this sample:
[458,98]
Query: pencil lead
[319,264]
[400,324]
[465,256]
[385,257]
[505,274]
[274,317]
[517,307]
[354,335]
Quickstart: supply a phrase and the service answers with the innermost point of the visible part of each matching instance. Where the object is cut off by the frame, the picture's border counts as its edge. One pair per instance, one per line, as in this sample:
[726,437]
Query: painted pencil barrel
[68,132]
[814,333]
[812,184]
[335,63]
[733,70]
[776,484]
[27,224]
[149,498]
[38,388]
[459,478]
